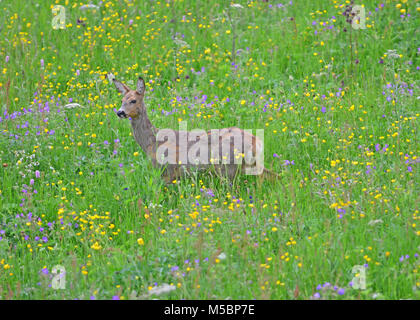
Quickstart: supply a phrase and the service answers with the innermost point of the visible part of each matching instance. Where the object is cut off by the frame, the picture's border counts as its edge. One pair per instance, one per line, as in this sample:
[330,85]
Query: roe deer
[225,156]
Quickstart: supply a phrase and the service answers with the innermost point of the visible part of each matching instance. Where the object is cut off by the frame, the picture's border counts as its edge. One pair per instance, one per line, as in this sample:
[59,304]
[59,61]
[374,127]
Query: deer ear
[121,87]
[141,87]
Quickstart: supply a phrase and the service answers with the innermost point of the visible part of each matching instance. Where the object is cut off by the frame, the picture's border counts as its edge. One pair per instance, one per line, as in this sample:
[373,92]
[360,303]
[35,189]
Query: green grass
[348,122]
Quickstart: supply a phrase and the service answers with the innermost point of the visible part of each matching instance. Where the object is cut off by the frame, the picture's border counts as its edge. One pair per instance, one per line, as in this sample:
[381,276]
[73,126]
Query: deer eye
[133,101]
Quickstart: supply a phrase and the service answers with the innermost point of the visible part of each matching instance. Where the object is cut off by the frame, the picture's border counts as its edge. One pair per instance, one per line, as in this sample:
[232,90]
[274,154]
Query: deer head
[132,101]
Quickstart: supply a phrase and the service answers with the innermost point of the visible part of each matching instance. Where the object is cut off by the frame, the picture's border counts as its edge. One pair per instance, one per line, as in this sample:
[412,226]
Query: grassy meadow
[340,111]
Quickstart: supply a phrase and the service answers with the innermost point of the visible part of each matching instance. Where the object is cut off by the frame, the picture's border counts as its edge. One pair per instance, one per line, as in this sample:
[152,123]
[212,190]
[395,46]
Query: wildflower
[222,256]
[96,246]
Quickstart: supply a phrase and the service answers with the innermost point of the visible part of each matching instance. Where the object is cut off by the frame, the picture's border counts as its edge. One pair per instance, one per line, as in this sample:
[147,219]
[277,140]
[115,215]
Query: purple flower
[317,295]
[7,59]
[115,298]
[42,63]
[341,291]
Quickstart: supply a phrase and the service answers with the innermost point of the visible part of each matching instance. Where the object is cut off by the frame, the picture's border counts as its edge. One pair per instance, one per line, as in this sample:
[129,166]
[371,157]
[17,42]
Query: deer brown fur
[145,134]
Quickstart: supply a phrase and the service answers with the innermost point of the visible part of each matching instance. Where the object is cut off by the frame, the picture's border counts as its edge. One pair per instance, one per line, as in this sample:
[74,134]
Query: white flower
[222,256]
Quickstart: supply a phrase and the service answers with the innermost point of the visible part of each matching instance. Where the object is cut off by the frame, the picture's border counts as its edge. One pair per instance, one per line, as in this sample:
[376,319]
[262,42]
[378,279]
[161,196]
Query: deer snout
[121,114]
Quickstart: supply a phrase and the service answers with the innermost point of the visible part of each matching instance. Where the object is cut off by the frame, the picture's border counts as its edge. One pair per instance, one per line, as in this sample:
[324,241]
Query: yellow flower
[140,241]
[96,246]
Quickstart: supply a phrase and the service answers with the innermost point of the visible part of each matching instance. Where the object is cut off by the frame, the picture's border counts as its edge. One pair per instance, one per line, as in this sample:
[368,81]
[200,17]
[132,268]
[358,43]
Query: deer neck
[144,132]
